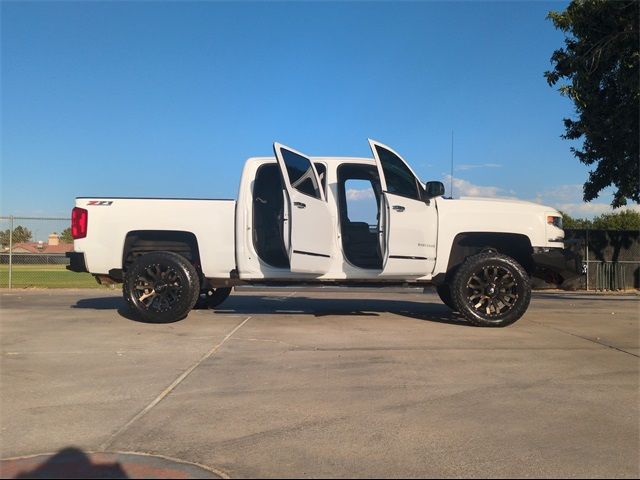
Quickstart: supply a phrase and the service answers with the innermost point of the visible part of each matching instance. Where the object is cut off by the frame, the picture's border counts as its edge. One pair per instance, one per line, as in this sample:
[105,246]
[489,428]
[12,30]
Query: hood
[500,215]
[499,203]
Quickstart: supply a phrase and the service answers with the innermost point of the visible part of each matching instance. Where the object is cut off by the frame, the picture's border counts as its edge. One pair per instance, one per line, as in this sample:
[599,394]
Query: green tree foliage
[600,63]
[623,220]
[574,223]
[20,234]
[65,236]
[4,238]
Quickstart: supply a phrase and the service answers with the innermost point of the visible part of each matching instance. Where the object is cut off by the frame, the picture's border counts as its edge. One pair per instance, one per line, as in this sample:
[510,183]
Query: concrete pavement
[327,384]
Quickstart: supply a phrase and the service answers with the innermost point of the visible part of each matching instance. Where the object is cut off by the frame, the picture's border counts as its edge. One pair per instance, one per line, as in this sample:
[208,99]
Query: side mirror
[434,189]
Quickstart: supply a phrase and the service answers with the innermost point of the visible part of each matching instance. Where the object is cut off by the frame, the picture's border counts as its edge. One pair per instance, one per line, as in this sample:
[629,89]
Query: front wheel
[161,287]
[491,290]
[444,292]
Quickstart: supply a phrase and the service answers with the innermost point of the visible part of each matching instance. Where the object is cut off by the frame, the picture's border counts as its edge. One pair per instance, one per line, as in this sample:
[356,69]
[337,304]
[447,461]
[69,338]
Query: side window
[301,174]
[400,180]
[360,201]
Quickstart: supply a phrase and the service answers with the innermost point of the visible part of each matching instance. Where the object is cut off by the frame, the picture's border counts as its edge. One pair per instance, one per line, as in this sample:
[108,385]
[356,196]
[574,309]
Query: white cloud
[568,198]
[591,209]
[355,194]
[561,194]
[464,188]
[471,166]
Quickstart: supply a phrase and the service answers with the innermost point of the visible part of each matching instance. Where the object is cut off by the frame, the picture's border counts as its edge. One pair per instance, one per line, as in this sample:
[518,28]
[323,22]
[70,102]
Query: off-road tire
[176,280]
[491,290]
[444,292]
[212,298]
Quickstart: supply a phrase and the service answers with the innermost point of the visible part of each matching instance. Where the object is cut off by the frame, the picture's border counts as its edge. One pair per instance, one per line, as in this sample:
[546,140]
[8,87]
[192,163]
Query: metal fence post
[10,249]
[586,243]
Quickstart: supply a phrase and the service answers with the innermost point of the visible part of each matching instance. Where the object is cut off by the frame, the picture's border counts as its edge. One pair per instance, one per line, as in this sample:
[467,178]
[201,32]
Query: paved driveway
[333,383]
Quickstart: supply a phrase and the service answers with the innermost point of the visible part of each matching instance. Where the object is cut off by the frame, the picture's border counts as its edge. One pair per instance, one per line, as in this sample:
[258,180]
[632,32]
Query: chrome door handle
[398,208]
[300,204]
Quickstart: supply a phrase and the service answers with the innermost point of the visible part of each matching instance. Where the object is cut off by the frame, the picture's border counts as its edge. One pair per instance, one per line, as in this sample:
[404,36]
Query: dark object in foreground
[74,463]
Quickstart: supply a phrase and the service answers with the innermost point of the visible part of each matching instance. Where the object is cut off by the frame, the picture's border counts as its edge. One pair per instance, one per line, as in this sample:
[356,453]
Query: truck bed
[110,219]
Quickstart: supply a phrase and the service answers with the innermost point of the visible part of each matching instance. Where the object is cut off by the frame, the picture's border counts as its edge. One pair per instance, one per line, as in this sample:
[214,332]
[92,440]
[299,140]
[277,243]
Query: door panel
[308,225]
[383,229]
[409,223]
[286,233]
[410,243]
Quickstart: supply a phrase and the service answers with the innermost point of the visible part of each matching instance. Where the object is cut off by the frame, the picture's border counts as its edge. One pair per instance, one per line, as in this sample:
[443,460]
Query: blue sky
[169,99]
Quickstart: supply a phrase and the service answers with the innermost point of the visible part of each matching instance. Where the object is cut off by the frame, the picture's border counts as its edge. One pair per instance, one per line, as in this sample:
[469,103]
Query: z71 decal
[102,203]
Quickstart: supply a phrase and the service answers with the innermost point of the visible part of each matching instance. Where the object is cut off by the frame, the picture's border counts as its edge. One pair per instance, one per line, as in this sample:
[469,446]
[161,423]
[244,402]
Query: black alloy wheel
[161,287]
[491,289]
[212,297]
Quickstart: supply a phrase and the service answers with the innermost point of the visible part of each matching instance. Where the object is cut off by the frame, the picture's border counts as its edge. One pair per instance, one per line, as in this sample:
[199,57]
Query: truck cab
[300,218]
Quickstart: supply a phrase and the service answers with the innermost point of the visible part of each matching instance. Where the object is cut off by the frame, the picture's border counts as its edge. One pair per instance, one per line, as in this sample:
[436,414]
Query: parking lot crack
[107,444]
[603,344]
[267,340]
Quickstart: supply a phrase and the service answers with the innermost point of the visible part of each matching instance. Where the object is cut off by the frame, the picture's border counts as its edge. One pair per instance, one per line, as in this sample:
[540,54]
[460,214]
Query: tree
[20,235]
[574,223]
[65,236]
[623,220]
[600,62]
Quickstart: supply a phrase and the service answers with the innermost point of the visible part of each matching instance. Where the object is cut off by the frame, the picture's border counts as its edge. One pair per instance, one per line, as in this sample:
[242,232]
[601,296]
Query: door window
[400,180]
[301,174]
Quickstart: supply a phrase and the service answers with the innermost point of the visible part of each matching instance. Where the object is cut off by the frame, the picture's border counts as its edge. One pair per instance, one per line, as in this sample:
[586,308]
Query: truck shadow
[107,303]
[336,306]
[257,304]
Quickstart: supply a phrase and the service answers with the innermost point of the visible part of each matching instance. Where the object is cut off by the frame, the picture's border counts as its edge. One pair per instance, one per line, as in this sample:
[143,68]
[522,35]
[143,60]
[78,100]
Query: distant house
[52,246]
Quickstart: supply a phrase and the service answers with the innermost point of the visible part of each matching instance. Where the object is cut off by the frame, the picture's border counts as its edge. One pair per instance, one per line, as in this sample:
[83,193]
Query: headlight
[554,220]
[554,228]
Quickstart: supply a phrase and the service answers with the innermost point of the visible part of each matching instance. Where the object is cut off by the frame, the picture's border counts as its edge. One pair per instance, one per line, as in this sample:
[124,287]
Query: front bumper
[560,261]
[76,262]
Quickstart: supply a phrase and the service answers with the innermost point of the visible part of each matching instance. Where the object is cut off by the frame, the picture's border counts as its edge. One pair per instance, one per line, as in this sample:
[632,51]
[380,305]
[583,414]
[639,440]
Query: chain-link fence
[33,253]
[611,258]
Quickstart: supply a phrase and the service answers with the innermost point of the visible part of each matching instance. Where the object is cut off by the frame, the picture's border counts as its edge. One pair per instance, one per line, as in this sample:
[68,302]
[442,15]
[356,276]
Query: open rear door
[308,228]
[408,222]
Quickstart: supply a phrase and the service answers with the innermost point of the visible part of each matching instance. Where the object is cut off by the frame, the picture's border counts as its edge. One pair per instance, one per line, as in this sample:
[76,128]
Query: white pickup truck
[298,220]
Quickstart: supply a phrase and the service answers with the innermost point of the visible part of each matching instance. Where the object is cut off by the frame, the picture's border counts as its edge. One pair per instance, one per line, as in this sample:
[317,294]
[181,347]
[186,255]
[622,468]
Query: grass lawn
[45,276]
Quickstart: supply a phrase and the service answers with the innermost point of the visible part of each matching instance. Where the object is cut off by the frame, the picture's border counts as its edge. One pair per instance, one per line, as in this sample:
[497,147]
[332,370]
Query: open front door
[408,222]
[308,228]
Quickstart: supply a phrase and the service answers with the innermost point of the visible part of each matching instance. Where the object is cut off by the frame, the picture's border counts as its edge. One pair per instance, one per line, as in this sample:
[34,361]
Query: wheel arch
[516,245]
[140,242]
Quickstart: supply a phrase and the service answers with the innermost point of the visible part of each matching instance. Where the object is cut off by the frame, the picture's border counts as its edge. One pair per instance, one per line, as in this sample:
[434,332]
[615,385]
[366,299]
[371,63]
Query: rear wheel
[161,287]
[491,290]
[212,297]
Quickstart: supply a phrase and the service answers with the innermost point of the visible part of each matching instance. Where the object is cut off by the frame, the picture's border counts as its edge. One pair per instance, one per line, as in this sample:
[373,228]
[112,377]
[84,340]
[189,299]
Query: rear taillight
[79,221]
